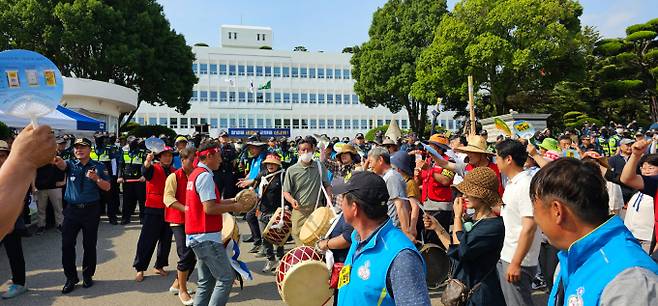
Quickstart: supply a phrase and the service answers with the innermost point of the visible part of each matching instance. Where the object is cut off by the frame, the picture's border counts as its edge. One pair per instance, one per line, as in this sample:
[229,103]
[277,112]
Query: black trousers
[254,227]
[75,219]
[186,257]
[110,200]
[154,231]
[14,249]
[548,262]
[133,193]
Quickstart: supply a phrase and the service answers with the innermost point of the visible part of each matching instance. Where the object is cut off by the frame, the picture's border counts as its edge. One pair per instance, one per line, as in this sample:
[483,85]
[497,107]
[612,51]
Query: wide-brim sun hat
[476,144]
[550,144]
[481,183]
[345,148]
[440,141]
[272,159]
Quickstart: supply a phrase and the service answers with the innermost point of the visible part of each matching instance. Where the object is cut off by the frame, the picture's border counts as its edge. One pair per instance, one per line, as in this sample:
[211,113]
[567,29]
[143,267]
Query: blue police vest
[363,279]
[595,260]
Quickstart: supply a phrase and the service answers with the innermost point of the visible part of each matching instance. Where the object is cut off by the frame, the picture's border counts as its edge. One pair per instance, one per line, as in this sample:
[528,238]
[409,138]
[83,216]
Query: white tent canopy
[59,119]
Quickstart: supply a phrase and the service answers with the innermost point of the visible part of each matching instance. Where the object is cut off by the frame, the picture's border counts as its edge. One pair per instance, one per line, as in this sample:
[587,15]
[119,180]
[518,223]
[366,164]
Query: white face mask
[306,157]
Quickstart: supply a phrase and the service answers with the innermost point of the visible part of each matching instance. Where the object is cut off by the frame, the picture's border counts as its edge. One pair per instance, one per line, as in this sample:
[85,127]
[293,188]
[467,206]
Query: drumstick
[132,180]
[420,205]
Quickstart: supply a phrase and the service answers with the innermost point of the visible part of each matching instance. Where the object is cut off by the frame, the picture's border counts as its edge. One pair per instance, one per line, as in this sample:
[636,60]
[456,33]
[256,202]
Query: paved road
[114,284]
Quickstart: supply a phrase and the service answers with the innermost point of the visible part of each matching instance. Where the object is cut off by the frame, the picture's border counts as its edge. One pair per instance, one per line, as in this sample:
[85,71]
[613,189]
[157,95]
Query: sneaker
[14,291]
[261,253]
[255,249]
[40,231]
[270,266]
[538,284]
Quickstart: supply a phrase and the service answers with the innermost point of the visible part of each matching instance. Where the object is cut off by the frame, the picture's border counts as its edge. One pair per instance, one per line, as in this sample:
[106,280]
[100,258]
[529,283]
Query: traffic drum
[229,229]
[316,226]
[275,233]
[438,264]
[302,278]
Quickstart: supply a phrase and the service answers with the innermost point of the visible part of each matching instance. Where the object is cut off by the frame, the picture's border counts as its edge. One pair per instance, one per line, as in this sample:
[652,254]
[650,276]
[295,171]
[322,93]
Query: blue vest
[367,271]
[595,260]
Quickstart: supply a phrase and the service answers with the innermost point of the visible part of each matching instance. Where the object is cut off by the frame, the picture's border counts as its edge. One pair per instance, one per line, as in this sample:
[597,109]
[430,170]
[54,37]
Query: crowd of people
[573,212]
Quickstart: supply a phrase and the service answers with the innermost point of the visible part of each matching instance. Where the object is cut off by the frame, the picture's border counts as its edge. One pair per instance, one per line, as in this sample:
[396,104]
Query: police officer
[227,175]
[86,180]
[106,153]
[130,175]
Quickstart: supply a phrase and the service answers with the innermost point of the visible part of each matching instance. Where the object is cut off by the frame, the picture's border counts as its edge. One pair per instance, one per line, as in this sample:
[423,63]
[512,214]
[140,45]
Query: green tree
[384,67]
[517,50]
[348,50]
[628,72]
[128,41]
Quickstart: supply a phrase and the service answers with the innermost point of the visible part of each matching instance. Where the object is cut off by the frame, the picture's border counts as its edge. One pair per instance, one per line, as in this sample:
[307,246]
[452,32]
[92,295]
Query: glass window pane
[286,123]
[277,123]
[260,123]
[355,124]
[231,96]
[194,121]
[321,98]
[303,72]
[364,124]
[330,73]
[195,95]
[140,120]
[241,70]
[259,97]
[304,124]
[259,70]
[347,74]
[320,73]
[213,123]
[183,123]
[339,74]
[203,69]
[250,97]
[234,123]
[339,123]
[286,97]
[313,98]
[355,99]
[268,123]
[347,124]
[304,98]
[223,123]
[213,96]
[286,72]
[330,123]
[339,99]
[173,123]
[277,72]
[195,68]
[242,97]
[330,99]
[223,96]
[268,97]
[268,71]
[295,97]
[314,123]
[295,72]
[213,69]
[311,73]
[322,124]
[250,70]
[346,99]
[242,122]
[295,123]
[222,69]
[203,96]
[162,121]
[277,97]
[231,70]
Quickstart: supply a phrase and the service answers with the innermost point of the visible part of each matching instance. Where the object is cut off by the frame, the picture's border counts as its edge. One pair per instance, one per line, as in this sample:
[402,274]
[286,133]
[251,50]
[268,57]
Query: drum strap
[283,206]
[324,191]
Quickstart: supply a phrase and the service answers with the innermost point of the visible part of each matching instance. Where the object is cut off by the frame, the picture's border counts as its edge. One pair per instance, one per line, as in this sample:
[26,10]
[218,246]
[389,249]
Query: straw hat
[389,142]
[481,183]
[345,148]
[476,144]
[440,141]
[272,159]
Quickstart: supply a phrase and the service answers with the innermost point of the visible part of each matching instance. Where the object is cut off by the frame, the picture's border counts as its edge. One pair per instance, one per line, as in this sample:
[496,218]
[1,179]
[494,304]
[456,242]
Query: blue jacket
[363,278]
[594,260]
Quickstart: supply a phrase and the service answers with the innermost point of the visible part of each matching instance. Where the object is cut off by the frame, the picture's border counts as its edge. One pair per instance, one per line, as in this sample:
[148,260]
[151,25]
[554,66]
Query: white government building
[310,92]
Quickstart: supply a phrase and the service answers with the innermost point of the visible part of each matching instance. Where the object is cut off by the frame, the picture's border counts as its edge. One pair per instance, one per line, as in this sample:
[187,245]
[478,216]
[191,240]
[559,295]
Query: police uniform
[106,154]
[82,213]
[133,191]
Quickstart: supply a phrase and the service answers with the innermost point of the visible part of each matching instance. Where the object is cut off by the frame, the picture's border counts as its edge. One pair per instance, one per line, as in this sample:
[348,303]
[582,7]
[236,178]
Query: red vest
[493,167]
[196,219]
[155,187]
[173,215]
[432,189]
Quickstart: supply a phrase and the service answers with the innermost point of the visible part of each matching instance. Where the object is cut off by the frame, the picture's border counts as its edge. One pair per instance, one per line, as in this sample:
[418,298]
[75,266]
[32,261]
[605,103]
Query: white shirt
[615,197]
[517,206]
[639,216]
[205,186]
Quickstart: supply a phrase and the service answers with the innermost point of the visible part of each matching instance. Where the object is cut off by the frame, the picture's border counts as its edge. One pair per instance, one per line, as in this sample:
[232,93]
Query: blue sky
[330,25]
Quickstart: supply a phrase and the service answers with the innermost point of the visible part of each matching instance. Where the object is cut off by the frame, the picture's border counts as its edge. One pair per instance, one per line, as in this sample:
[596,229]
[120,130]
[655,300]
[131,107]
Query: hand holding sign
[30,84]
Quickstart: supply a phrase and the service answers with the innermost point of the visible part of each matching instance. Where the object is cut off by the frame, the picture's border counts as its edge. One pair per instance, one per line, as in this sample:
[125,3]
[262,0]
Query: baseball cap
[626,141]
[181,138]
[82,141]
[223,133]
[359,135]
[365,185]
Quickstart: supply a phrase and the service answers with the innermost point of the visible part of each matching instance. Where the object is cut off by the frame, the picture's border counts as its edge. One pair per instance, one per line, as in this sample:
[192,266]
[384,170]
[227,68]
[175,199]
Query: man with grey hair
[398,206]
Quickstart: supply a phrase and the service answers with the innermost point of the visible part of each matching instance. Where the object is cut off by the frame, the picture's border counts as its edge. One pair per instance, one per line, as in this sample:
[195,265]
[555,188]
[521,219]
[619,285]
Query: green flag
[267,85]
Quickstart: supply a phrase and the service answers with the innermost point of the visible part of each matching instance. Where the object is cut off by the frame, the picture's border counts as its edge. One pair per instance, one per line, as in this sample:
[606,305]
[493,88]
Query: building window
[346,74]
[203,121]
[223,96]
[260,123]
[311,73]
[203,69]
[173,123]
[213,69]
[380,122]
[443,123]
[322,123]
[346,123]
[330,73]
[295,72]
[313,98]
[314,124]
[339,123]
[321,98]
[242,122]
[140,120]
[213,123]
[268,123]
[231,96]
[355,124]
[222,69]
[259,70]
[303,72]
[268,97]
[355,99]
[295,98]
[277,97]
[286,72]
[339,99]
[304,98]
[250,97]
[257,36]
[233,122]
[405,124]
[195,95]
[330,99]
[364,124]
[183,123]
[259,97]
[195,68]
[286,97]
[203,96]
[213,96]
[320,73]
[242,96]
[346,99]
[277,123]
[250,70]
[304,124]
[268,71]
[230,35]
[231,70]
[193,122]
[286,123]
[338,73]
[295,123]
[241,70]
[223,123]
[330,123]
[162,121]
[277,72]
[263,36]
